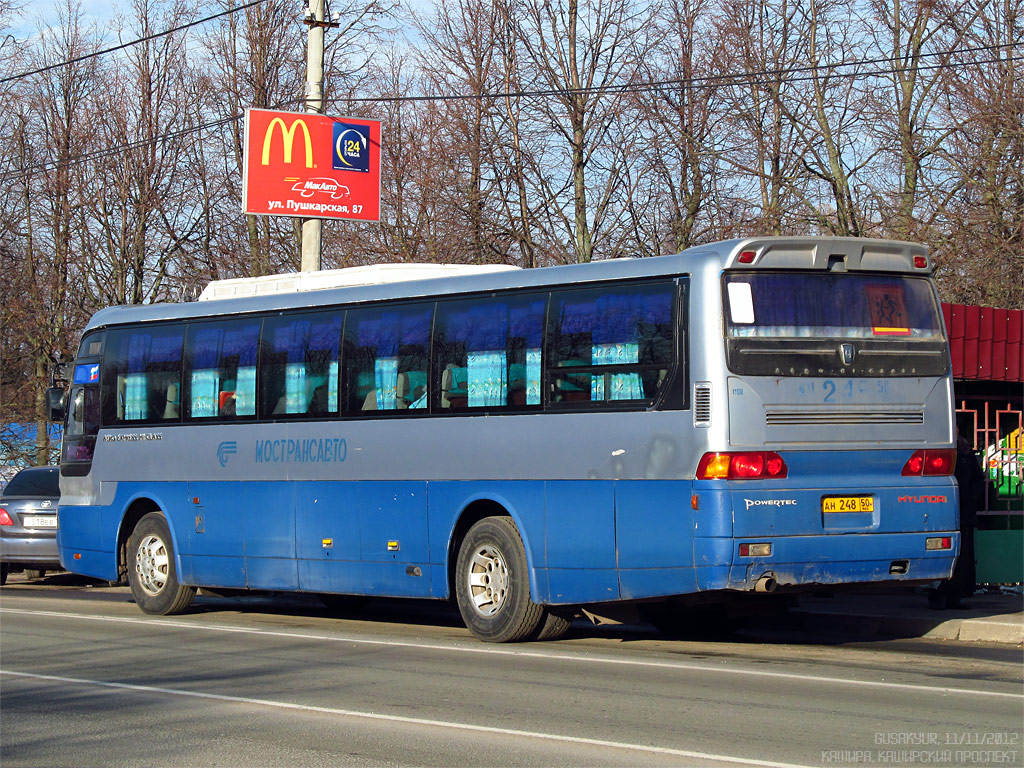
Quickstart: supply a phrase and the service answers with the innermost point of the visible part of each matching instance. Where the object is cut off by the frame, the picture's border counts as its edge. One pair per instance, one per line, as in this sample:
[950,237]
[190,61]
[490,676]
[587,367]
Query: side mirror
[60,374]
[56,404]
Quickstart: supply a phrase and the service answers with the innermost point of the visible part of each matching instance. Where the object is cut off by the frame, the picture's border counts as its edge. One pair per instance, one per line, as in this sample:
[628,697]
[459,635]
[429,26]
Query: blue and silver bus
[743,416]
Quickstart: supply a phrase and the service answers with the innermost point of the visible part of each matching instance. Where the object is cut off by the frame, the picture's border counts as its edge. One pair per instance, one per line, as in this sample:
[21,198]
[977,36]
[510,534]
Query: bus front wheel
[492,585]
[151,570]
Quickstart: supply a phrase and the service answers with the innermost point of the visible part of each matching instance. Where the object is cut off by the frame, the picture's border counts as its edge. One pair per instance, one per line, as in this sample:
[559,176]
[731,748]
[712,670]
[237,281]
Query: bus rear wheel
[492,585]
[151,570]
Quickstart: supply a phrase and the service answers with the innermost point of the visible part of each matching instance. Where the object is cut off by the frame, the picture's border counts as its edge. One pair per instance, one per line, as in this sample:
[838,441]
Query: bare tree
[49,126]
[760,47]
[581,53]
[919,38]
[979,191]
[669,187]
[457,59]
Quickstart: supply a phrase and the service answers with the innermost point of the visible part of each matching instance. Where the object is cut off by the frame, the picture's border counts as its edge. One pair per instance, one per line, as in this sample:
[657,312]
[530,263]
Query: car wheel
[492,585]
[151,570]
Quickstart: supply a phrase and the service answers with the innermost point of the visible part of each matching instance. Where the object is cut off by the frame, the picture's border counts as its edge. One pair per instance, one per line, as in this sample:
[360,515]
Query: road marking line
[490,650]
[702,756]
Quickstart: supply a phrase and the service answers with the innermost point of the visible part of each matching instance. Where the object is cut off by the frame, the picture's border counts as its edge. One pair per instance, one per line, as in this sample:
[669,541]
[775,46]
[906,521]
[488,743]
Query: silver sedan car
[28,523]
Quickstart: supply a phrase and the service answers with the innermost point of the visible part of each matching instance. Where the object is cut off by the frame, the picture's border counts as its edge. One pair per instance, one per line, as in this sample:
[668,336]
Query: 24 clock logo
[351,147]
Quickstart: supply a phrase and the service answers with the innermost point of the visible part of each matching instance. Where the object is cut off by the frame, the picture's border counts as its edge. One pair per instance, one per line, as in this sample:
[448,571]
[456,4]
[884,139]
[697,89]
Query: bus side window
[386,358]
[610,345]
[488,352]
[299,367]
[220,374]
[142,368]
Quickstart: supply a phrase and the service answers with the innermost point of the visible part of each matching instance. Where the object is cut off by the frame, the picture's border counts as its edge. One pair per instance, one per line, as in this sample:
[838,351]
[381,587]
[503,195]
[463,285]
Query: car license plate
[40,521]
[848,504]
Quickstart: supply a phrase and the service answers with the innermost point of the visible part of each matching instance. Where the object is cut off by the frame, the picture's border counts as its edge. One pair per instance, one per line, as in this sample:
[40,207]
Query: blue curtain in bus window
[245,394]
[624,386]
[241,349]
[616,331]
[205,346]
[223,381]
[135,407]
[385,380]
[152,364]
[533,376]
[488,385]
[296,397]
[485,354]
[394,343]
[526,329]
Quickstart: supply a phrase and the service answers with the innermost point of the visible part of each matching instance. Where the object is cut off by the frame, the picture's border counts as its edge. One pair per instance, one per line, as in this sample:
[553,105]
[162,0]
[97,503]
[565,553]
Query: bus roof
[373,274]
[809,253]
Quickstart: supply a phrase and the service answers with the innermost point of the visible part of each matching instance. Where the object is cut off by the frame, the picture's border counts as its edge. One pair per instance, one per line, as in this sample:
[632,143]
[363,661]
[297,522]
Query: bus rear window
[833,324]
[830,305]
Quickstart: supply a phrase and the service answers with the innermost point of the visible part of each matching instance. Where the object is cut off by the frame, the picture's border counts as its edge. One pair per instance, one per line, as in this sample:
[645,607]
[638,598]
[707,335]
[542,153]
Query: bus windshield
[831,305]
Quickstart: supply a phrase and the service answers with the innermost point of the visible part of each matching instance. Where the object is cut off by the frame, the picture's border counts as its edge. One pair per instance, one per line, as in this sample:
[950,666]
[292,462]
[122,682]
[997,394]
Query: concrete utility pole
[312,228]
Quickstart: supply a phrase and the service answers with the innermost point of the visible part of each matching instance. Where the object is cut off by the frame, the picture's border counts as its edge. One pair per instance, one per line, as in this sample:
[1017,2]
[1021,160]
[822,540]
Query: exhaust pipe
[765,584]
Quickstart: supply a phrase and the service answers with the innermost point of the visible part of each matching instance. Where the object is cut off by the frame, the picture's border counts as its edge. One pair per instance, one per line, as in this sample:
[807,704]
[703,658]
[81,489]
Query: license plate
[40,521]
[848,504]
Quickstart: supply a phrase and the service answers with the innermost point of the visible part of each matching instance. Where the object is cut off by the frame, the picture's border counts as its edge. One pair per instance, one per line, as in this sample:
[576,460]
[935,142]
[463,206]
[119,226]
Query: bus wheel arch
[151,566]
[137,510]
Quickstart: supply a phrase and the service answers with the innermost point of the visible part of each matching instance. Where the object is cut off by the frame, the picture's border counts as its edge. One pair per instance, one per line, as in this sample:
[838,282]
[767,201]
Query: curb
[985,630]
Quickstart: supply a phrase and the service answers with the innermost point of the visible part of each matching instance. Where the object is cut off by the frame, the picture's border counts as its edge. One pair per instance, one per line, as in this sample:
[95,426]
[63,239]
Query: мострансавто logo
[225,449]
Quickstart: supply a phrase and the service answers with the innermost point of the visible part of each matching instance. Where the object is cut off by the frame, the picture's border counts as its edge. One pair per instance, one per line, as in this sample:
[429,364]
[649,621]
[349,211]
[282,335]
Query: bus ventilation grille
[802,418]
[702,404]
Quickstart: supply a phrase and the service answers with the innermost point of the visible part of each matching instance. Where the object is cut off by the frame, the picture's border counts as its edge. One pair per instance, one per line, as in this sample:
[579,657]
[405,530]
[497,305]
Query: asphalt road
[86,679]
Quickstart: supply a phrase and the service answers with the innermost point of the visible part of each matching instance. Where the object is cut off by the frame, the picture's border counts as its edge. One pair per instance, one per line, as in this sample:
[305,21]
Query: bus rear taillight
[746,465]
[929,462]
[938,543]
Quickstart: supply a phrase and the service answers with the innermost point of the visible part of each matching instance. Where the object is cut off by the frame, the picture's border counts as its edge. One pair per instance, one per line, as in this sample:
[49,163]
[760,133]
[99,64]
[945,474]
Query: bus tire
[492,585]
[151,570]
[557,622]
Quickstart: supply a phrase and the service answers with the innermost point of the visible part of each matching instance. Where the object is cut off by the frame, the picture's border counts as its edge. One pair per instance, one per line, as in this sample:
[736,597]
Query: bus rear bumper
[830,559]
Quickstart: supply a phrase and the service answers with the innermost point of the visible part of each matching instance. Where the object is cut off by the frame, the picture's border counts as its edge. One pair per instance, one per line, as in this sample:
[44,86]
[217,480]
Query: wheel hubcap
[488,580]
[152,564]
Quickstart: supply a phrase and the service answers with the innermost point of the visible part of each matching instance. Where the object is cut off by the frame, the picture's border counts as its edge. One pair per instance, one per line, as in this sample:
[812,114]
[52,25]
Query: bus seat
[454,386]
[403,392]
[172,409]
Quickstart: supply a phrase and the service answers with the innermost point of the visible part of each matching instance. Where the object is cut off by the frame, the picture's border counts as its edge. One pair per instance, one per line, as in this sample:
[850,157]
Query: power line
[708,81]
[129,44]
[742,78]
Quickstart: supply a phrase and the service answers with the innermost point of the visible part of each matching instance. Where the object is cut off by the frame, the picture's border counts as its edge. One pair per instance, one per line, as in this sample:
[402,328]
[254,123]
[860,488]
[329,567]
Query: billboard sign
[310,165]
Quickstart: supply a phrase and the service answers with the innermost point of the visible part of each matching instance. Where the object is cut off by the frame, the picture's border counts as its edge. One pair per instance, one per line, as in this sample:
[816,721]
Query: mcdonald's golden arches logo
[288,138]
